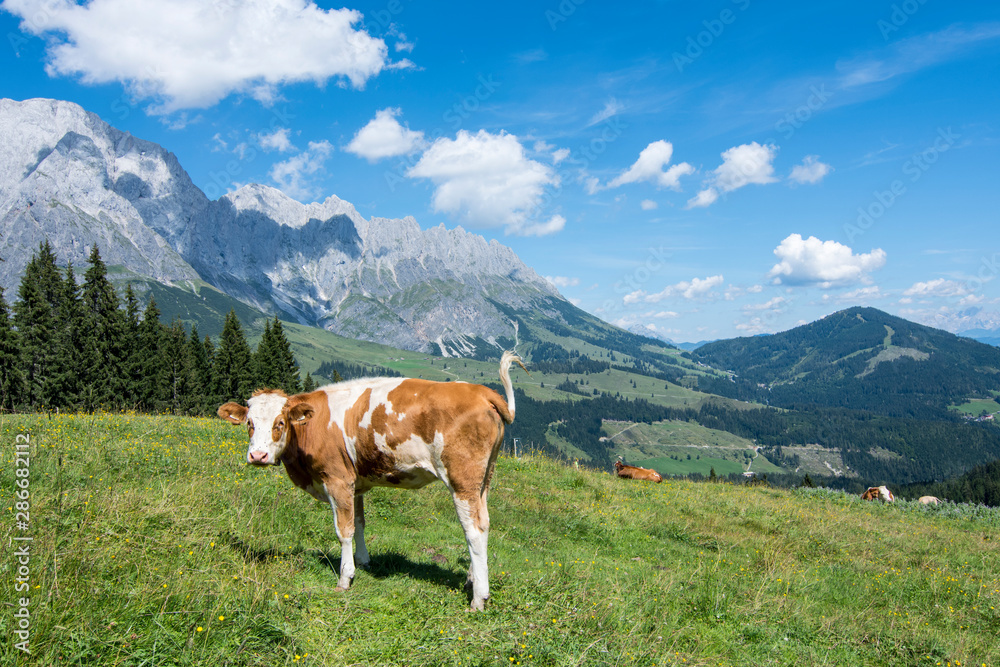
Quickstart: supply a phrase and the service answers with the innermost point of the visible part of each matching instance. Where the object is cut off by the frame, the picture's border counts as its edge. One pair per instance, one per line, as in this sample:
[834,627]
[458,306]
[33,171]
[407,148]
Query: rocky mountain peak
[68,176]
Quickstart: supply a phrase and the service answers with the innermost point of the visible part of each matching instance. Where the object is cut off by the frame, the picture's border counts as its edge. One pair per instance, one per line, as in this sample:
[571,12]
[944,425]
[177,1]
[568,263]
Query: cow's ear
[232,412]
[300,413]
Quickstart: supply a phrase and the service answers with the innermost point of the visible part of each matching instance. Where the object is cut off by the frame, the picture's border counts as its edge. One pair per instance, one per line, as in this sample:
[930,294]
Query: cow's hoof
[339,589]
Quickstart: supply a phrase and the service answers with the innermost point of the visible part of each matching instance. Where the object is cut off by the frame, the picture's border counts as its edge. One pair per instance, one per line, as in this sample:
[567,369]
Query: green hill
[154,544]
[860,358]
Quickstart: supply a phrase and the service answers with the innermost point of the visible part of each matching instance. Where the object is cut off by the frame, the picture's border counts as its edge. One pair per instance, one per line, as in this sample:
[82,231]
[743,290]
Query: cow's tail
[506,360]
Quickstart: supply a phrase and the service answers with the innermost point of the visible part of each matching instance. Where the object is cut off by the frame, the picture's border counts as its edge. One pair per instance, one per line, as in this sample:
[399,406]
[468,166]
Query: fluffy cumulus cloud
[279,140]
[384,137]
[650,167]
[941,287]
[487,180]
[749,164]
[811,171]
[190,54]
[696,288]
[292,175]
[824,263]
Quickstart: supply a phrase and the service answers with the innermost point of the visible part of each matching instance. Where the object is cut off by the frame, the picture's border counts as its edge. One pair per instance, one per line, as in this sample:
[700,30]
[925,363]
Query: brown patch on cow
[315,453]
[355,413]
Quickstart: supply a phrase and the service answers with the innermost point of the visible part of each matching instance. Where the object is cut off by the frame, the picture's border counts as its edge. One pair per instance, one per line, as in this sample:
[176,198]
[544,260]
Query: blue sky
[709,169]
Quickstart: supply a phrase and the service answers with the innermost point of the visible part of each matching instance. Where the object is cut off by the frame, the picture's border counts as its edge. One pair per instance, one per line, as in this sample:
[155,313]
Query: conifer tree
[265,367]
[35,318]
[179,376]
[201,371]
[232,370]
[75,354]
[287,371]
[308,384]
[212,399]
[106,325]
[152,388]
[131,362]
[11,377]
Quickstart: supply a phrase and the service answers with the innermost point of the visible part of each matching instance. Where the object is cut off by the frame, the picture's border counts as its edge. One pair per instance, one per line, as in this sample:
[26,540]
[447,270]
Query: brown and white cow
[634,472]
[343,439]
[878,493]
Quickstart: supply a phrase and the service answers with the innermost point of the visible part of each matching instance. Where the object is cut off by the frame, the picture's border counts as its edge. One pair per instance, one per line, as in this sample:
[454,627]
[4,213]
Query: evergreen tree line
[71,346]
[923,449]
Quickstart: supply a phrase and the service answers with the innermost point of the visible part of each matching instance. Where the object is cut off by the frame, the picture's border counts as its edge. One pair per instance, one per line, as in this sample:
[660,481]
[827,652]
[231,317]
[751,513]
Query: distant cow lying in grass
[633,472]
[343,439]
[878,493]
[929,500]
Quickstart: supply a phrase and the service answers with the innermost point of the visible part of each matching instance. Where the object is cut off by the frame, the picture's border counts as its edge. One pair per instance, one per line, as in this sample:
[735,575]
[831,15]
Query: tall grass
[155,545]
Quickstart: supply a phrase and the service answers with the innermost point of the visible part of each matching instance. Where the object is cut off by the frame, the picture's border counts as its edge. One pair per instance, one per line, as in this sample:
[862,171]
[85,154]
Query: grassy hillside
[154,544]
[860,358]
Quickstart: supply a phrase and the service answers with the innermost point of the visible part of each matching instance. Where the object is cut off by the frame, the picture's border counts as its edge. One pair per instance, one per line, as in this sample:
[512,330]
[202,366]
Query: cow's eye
[250,428]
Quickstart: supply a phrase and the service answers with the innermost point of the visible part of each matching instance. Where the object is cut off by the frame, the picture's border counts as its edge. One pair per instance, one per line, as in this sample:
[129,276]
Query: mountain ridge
[69,177]
[859,358]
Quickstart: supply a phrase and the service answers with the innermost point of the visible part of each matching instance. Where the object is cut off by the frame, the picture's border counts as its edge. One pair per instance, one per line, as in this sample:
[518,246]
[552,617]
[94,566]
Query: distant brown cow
[929,500]
[878,493]
[633,472]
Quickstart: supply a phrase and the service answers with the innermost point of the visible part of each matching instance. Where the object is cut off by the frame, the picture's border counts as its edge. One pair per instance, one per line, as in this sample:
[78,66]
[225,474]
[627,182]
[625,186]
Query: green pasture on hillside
[154,544]
[977,406]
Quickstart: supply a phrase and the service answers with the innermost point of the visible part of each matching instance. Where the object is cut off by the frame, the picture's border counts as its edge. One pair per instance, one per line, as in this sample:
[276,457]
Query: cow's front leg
[341,497]
[361,556]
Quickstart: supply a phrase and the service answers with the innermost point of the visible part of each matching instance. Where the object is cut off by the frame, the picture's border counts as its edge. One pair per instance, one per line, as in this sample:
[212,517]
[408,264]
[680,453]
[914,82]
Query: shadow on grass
[382,565]
[391,564]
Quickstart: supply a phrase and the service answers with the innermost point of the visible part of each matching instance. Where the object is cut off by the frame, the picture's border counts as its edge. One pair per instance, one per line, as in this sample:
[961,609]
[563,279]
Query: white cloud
[749,164]
[384,137]
[560,155]
[753,326]
[650,167]
[774,304]
[611,108]
[823,263]
[940,287]
[190,54]
[912,54]
[696,288]
[862,295]
[486,180]
[291,175]
[810,171]
[277,141]
[648,205]
[563,281]
[220,143]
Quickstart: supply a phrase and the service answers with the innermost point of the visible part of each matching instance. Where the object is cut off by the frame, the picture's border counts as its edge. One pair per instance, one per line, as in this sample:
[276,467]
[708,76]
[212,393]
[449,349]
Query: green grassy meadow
[977,406]
[154,544]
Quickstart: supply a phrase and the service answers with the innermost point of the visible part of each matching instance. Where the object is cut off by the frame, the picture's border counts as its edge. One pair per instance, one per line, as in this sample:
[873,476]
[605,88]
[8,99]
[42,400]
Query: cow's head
[269,416]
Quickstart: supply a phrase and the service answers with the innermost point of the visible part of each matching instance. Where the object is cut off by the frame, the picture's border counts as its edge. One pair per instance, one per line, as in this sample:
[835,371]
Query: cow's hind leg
[475,520]
[361,557]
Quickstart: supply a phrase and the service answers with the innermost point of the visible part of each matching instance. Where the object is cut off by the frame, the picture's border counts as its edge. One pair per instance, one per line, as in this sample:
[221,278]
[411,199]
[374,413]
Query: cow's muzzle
[259,458]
